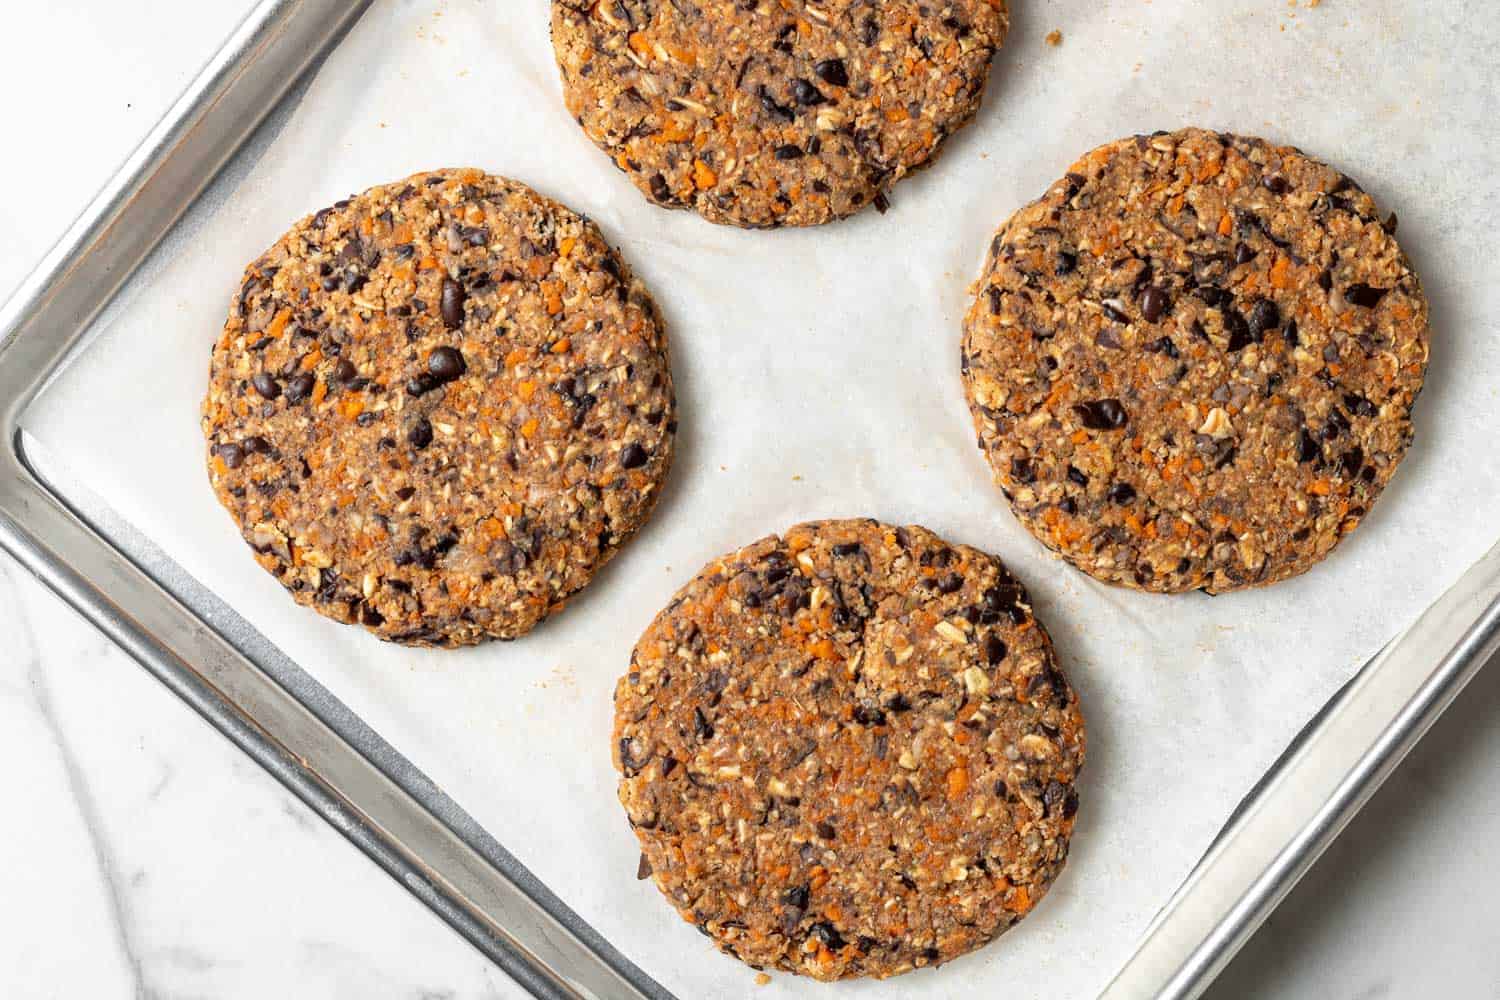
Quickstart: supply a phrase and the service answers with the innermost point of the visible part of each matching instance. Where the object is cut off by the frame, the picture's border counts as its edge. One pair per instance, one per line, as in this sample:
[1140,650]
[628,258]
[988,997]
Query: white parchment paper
[818,376]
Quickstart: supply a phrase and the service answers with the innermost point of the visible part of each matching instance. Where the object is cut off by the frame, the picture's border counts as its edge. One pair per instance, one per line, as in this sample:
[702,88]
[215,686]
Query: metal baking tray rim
[366,790]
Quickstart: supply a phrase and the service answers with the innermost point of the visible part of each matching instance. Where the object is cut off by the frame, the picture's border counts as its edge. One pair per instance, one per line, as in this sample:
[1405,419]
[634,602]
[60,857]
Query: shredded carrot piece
[703,177]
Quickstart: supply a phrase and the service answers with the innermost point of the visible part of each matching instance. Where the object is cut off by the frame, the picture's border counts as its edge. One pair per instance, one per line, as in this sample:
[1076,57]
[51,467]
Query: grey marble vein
[78,790]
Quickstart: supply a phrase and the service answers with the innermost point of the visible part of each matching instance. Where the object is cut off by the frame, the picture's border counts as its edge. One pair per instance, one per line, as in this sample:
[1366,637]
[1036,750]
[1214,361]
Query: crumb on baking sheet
[1054,37]
[761,979]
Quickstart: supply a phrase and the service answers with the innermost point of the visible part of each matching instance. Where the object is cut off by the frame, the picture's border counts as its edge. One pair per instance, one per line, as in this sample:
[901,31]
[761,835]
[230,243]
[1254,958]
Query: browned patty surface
[766,113]
[438,407]
[1192,363]
[848,751]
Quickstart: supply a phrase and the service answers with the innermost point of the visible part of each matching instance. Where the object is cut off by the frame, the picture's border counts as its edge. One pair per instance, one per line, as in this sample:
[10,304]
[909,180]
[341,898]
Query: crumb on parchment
[1054,37]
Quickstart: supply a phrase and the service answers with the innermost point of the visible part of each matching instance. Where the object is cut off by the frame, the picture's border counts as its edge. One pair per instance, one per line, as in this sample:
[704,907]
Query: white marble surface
[149,859]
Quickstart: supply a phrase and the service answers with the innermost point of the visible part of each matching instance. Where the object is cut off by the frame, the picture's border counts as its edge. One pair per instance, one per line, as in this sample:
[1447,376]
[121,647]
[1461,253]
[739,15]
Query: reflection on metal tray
[292,726]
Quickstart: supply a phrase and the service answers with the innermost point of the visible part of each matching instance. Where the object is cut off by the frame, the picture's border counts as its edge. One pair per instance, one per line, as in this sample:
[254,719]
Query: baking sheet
[818,377]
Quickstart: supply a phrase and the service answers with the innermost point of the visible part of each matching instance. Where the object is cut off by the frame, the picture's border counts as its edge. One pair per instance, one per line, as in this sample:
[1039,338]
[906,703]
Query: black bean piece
[451,304]
[1077,475]
[1022,471]
[1114,313]
[232,454]
[420,435]
[702,728]
[995,649]
[996,297]
[659,189]
[1163,345]
[847,549]
[1359,405]
[806,94]
[1307,447]
[1337,425]
[788,152]
[1275,183]
[1352,460]
[628,759]
[632,456]
[256,445]
[1102,414]
[1053,796]
[643,869]
[446,364]
[421,383]
[1154,302]
[897,703]
[1361,294]
[406,493]
[299,387]
[950,583]
[266,385]
[1243,254]
[1238,329]
[826,831]
[832,71]
[1121,493]
[345,371]
[1067,263]
[1212,295]
[768,104]
[795,897]
[1264,315]
[829,935]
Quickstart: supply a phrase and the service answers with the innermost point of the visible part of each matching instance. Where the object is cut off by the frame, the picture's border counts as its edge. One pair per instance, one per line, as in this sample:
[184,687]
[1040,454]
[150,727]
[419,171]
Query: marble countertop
[149,858]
